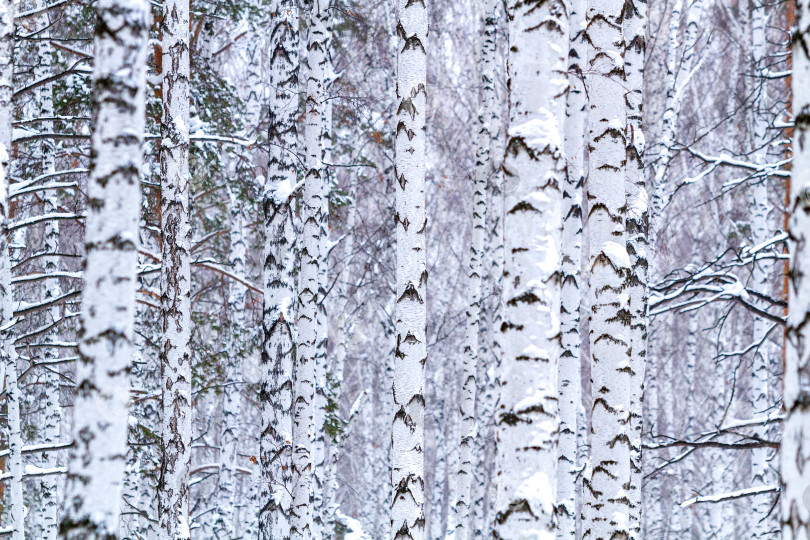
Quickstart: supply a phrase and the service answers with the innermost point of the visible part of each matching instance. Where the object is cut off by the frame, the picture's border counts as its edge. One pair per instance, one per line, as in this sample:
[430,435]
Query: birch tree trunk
[760,518]
[279,283]
[106,340]
[796,438]
[49,392]
[13,501]
[469,385]
[231,395]
[570,373]
[608,512]
[175,282]
[410,219]
[634,27]
[311,214]
[534,171]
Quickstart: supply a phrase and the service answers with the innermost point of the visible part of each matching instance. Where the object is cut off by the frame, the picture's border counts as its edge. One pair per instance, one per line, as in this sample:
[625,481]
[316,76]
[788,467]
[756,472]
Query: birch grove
[217,223]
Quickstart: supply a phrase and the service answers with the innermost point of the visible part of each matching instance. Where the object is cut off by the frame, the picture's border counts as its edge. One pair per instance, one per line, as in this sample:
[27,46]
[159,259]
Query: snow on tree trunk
[534,172]
[796,438]
[761,519]
[231,396]
[13,500]
[410,219]
[570,375]
[276,393]
[106,340]
[634,27]
[469,385]
[175,282]
[608,512]
[48,397]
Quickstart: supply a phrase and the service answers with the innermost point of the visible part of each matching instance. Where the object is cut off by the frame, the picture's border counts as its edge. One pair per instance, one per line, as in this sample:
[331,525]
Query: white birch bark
[608,512]
[106,340]
[469,385]
[278,276]
[795,466]
[175,283]
[231,395]
[634,28]
[410,219]
[761,519]
[306,369]
[49,391]
[570,373]
[534,171]
[14,509]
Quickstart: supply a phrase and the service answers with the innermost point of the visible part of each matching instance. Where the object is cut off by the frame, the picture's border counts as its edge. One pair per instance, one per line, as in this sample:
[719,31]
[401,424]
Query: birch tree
[796,438]
[175,282]
[637,220]
[534,171]
[469,384]
[410,314]
[570,376]
[279,286]
[608,512]
[106,345]
[12,429]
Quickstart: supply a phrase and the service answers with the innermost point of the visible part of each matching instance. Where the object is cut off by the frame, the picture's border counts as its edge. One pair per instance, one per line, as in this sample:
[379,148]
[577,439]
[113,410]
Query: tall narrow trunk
[175,277]
[608,515]
[796,438]
[410,218]
[231,395]
[534,172]
[49,390]
[106,340]
[306,368]
[761,519]
[570,372]
[634,27]
[13,501]
[469,385]
[278,347]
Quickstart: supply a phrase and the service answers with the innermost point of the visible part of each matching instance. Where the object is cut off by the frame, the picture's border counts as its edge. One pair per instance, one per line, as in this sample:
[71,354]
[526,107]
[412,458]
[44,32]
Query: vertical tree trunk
[175,293]
[49,390]
[231,395]
[761,519]
[570,373]
[796,438]
[534,171]
[634,27]
[469,426]
[279,283]
[106,347]
[608,515]
[410,218]
[14,508]
[311,213]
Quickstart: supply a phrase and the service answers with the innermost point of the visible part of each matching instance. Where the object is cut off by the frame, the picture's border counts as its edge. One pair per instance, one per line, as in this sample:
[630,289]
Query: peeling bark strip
[175,276]
[534,171]
[14,505]
[276,393]
[608,479]
[634,27]
[796,438]
[410,356]
[569,369]
[106,347]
